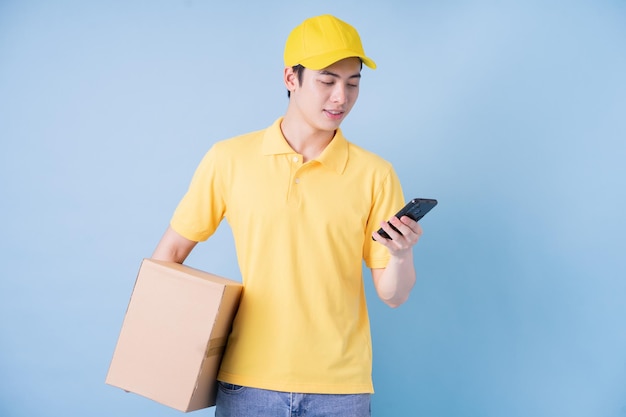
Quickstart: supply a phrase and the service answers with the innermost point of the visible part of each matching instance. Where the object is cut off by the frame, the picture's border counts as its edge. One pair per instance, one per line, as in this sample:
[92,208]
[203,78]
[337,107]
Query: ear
[290,79]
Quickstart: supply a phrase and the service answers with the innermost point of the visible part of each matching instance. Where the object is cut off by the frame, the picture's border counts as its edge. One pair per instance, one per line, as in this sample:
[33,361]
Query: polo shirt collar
[335,156]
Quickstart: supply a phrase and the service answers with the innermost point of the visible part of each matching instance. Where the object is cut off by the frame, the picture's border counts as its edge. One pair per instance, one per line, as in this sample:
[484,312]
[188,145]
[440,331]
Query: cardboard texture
[173,336]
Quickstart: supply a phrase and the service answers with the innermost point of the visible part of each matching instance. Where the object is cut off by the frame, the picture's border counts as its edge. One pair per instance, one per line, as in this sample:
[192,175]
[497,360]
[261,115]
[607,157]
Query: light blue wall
[512,114]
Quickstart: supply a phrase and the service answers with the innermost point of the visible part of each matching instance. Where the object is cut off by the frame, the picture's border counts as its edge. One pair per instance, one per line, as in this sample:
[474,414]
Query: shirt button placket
[295,180]
[296,160]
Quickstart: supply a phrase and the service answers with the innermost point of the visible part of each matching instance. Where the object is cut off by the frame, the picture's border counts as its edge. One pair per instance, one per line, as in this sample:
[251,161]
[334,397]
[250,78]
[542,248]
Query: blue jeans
[238,401]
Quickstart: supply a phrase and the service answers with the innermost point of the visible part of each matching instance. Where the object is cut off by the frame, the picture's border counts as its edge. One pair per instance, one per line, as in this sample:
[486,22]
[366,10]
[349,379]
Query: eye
[327,82]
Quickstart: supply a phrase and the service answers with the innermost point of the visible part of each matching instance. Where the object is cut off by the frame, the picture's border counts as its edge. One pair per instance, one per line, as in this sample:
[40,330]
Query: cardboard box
[173,336]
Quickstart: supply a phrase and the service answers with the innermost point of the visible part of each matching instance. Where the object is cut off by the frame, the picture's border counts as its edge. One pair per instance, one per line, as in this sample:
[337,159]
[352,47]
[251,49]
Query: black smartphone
[414,209]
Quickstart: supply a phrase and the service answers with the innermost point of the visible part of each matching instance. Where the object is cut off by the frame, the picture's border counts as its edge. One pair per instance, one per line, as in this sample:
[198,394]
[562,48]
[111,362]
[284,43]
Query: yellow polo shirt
[301,231]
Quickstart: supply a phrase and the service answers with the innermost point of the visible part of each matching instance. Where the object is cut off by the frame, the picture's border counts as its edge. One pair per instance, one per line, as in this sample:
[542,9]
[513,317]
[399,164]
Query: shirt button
[297,180]
[295,159]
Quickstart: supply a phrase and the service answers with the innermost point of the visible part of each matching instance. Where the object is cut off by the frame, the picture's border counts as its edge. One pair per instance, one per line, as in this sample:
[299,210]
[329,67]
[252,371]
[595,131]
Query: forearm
[395,282]
[173,247]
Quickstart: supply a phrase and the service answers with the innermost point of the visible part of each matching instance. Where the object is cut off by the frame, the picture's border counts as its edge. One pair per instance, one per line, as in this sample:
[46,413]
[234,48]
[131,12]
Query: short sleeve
[387,201]
[202,208]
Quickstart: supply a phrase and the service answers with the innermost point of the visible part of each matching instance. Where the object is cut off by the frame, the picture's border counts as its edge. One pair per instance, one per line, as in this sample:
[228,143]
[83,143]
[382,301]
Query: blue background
[512,114]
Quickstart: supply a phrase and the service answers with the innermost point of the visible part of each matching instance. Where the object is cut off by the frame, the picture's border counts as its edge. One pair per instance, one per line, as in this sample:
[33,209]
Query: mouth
[334,114]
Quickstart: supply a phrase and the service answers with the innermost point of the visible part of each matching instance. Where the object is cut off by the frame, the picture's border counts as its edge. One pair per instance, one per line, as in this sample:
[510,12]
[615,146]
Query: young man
[303,204]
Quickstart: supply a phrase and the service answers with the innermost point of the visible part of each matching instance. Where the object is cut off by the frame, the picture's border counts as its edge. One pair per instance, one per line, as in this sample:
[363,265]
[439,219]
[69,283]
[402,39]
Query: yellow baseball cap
[320,41]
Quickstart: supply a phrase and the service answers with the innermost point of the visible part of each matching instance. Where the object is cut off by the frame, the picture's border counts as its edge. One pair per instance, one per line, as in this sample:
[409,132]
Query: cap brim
[322,61]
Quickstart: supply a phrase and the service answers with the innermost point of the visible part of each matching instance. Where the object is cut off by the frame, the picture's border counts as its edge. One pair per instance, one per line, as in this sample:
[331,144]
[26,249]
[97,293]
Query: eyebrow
[332,74]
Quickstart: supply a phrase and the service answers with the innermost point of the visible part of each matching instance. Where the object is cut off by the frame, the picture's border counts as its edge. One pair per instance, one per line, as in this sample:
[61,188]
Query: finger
[410,229]
[393,234]
[415,227]
[378,238]
[405,230]
[389,243]
[411,224]
[419,230]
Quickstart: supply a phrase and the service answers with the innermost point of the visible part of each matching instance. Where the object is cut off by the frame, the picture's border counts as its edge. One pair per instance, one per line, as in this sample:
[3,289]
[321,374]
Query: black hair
[299,71]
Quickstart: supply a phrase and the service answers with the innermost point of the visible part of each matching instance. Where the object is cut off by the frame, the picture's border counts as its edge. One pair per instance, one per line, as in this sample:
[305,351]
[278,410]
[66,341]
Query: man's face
[325,97]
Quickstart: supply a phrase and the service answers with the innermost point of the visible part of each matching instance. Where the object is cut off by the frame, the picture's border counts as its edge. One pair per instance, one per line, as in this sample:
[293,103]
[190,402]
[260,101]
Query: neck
[304,139]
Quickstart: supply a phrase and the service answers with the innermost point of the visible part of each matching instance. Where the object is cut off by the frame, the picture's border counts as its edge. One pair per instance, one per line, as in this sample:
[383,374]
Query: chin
[330,125]
[330,129]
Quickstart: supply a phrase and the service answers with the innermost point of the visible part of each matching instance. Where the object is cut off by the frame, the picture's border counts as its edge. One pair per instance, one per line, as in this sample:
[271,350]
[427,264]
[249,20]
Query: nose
[339,94]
